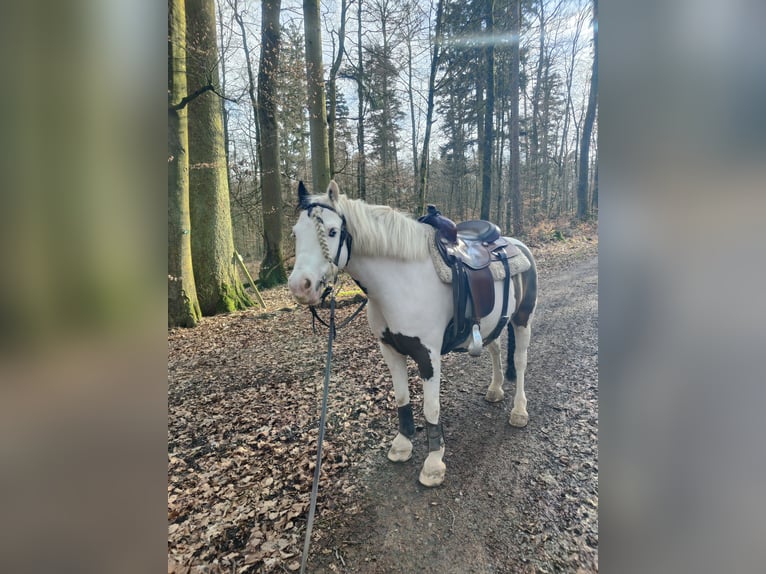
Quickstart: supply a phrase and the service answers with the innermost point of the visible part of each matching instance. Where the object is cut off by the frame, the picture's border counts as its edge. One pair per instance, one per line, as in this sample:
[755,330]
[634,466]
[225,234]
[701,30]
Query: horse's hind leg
[519,332]
[401,447]
[495,391]
[519,416]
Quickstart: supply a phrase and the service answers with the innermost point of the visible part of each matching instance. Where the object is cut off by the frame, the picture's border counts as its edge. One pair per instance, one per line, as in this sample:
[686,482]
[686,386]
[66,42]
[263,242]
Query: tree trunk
[583,211]
[362,160]
[224,111]
[183,308]
[534,152]
[332,86]
[273,268]
[320,155]
[251,92]
[594,200]
[218,286]
[542,158]
[518,220]
[413,123]
[489,113]
[424,155]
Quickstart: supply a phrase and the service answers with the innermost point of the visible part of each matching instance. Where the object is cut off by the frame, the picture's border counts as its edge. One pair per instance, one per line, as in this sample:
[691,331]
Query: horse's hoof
[519,419]
[433,471]
[401,449]
[494,396]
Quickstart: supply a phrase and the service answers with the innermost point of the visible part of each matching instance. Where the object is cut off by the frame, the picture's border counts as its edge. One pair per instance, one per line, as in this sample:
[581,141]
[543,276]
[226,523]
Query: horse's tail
[510,371]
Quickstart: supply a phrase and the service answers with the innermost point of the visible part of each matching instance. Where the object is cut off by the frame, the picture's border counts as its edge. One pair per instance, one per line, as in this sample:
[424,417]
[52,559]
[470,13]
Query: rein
[345,239]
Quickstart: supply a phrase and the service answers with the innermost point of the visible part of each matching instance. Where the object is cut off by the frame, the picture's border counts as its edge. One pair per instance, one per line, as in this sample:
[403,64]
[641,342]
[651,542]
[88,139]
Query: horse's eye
[333,232]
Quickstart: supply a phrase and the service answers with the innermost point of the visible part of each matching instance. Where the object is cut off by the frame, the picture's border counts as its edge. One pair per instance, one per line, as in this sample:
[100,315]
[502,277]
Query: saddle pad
[516,264]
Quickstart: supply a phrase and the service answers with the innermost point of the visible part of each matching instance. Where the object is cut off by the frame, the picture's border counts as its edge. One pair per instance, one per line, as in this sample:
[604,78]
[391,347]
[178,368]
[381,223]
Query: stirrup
[476,344]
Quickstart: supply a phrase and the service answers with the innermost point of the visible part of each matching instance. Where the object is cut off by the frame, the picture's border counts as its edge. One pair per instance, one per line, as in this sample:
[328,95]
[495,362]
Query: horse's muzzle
[305,289]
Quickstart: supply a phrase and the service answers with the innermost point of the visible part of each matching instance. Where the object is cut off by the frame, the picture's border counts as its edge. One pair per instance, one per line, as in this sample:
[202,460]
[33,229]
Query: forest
[485,108]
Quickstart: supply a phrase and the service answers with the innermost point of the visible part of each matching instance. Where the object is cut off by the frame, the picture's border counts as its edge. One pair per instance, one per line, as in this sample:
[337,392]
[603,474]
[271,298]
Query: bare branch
[196,94]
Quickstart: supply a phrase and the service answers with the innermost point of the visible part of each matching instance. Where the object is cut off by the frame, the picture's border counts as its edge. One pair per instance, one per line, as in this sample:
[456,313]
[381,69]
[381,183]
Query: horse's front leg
[434,468]
[495,391]
[401,447]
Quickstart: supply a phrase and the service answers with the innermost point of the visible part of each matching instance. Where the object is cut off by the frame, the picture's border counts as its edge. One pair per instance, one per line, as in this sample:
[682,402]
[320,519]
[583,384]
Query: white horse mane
[381,231]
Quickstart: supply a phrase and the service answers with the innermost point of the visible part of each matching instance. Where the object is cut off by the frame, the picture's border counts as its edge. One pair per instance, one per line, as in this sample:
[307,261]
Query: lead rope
[322,418]
[325,393]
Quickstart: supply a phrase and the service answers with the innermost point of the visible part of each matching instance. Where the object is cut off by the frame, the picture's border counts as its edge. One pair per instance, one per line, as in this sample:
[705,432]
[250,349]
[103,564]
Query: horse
[386,252]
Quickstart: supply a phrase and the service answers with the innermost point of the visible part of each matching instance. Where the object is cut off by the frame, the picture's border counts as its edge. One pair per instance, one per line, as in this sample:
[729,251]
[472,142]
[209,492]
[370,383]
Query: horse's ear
[303,195]
[333,191]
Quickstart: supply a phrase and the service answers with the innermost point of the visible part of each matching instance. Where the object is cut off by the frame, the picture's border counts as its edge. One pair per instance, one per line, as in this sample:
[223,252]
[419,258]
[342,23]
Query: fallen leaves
[244,394]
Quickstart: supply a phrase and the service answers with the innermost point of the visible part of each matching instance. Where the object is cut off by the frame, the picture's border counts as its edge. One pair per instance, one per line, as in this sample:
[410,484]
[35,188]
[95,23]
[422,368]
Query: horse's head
[322,244]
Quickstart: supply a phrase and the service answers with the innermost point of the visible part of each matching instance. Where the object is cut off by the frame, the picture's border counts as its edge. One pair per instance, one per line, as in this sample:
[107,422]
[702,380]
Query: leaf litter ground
[244,394]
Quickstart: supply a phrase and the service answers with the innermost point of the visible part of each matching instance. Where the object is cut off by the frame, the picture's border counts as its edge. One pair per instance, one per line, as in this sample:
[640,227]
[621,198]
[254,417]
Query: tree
[250,85]
[425,156]
[361,99]
[320,154]
[332,88]
[291,90]
[590,115]
[218,286]
[515,191]
[273,268]
[489,111]
[385,112]
[183,307]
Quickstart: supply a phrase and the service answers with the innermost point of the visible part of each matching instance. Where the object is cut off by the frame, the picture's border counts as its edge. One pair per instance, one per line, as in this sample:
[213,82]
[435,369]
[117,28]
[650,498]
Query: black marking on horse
[411,347]
[435,436]
[406,421]
[303,196]
[529,289]
[510,371]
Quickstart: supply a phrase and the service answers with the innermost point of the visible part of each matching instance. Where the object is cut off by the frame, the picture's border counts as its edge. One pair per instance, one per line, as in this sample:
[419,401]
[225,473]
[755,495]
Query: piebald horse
[409,307]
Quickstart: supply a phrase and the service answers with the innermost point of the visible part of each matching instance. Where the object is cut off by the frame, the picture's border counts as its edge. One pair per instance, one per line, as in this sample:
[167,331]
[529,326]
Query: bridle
[345,239]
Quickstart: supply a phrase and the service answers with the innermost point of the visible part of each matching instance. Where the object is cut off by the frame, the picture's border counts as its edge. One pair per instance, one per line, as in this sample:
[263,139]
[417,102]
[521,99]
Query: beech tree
[183,307]
[218,286]
[273,268]
[320,154]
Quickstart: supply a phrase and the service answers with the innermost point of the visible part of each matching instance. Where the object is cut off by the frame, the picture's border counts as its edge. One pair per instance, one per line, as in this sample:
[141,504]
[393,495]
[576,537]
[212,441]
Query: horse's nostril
[307,284]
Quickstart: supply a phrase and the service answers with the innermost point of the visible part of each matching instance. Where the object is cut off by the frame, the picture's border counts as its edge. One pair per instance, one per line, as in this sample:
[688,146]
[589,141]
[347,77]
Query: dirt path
[243,401]
[515,500]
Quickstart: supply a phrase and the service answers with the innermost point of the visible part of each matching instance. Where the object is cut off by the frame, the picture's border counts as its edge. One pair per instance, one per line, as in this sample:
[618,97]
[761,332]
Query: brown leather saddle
[468,248]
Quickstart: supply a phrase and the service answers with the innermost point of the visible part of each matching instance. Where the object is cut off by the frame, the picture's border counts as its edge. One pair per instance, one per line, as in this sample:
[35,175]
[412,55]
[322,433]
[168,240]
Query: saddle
[468,248]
